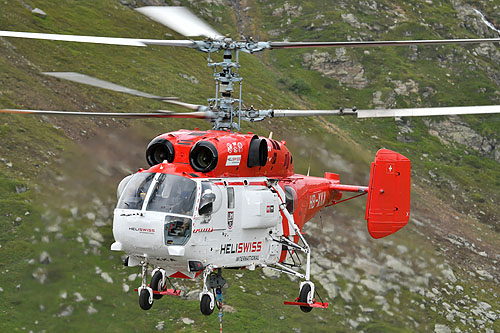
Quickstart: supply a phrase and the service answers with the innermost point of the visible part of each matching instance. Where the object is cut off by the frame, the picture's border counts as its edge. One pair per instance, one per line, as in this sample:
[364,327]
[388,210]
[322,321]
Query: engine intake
[257,153]
[203,156]
[159,150]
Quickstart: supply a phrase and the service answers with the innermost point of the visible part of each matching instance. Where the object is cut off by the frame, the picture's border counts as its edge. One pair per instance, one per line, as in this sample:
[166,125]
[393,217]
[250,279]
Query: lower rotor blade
[162,114]
[98,40]
[187,105]
[92,81]
[308,113]
[284,45]
[380,113]
[422,112]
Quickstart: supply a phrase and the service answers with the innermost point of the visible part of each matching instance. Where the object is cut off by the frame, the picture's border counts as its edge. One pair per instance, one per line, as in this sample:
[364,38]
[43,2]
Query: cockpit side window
[230,197]
[173,194]
[177,230]
[135,192]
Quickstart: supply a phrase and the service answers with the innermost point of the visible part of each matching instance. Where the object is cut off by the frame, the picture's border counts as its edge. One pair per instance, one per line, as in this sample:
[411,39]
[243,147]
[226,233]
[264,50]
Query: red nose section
[388,205]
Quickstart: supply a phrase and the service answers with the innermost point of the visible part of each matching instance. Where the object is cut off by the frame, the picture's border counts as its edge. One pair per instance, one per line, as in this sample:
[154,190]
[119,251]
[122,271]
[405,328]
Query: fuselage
[218,204]
[240,229]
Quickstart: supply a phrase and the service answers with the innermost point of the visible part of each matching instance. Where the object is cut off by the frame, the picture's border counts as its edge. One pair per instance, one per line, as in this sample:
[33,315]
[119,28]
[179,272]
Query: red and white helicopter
[221,199]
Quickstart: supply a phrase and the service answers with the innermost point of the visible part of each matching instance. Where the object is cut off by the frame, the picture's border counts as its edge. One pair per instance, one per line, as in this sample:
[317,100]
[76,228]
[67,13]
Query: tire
[205,307]
[306,289]
[156,284]
[144,300]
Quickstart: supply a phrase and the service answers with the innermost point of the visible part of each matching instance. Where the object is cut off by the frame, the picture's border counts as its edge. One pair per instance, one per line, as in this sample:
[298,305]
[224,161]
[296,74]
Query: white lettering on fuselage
[235,147]
[317,200]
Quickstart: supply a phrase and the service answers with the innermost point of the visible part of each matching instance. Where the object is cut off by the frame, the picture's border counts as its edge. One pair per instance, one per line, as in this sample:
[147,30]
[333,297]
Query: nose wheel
[158,282]
[146,299]
[145,292]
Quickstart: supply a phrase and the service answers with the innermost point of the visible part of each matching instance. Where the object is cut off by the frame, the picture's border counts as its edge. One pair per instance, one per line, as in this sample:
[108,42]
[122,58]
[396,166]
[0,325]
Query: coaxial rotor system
[225,111]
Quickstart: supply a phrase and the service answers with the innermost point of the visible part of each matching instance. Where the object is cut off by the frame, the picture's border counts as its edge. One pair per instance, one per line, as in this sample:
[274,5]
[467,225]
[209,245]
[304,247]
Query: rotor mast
[226,76]
[226,107]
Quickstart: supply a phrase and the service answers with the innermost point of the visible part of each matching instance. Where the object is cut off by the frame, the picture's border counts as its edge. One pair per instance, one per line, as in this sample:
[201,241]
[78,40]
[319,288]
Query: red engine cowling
[388,203]
[221,154]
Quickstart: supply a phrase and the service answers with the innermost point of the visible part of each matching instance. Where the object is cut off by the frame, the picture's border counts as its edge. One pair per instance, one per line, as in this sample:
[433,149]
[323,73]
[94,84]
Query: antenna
[309,167]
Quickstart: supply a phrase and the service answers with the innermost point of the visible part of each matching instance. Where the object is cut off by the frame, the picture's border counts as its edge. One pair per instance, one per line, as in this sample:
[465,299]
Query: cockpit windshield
[173,194]
[135,193]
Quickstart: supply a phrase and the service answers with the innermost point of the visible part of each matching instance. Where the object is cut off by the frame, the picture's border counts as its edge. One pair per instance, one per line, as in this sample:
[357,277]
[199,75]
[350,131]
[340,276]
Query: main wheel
[304,292]
[156,284]
[144,300]
[206,305]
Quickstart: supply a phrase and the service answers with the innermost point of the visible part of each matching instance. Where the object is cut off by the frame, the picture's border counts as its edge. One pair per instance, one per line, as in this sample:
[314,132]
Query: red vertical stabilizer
[388,203]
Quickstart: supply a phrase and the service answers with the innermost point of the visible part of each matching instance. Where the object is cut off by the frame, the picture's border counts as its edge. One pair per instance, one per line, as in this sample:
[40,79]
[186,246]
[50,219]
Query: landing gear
[158,282]
[304,296]
[306,299]
[145,299]
[211,281]
[207,304]
[145,292]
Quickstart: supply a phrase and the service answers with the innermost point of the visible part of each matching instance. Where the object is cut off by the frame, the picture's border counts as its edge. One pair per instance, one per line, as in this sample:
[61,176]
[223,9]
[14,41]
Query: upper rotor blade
[284,45]
[98,40]
[92,81]
[421,112]
[160,114]
[179,19]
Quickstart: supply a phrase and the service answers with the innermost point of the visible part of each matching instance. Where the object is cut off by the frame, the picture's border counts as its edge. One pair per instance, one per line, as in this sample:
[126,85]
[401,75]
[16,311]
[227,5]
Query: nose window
[135,192]
[173,194]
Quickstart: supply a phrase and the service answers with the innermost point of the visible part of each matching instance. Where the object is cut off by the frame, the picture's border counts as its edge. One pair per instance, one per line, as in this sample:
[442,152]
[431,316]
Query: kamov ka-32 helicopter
[221,199]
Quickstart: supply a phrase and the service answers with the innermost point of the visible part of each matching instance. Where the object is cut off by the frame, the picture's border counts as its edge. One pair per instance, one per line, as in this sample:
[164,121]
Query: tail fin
[388,203]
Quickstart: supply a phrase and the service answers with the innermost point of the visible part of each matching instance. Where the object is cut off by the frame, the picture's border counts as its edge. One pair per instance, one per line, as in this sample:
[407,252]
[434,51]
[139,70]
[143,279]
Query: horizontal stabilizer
[388,203]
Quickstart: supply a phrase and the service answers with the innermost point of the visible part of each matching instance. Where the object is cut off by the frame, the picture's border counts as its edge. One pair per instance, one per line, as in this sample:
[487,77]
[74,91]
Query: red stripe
[242,183]
[257,184]
[283,255]
[236,183]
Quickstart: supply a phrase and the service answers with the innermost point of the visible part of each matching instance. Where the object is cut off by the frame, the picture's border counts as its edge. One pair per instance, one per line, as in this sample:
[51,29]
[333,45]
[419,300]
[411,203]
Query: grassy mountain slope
[58,176]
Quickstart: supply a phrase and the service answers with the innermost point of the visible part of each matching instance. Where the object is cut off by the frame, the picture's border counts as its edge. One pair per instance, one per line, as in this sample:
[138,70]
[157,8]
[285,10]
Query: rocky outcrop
[405,88]
[471,19]
[453,130]
[288,10]
[339,67]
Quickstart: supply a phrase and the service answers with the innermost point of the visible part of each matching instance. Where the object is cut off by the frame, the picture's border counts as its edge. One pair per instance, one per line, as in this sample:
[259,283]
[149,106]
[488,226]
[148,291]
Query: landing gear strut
[145,292]
[212,281]
[306,299]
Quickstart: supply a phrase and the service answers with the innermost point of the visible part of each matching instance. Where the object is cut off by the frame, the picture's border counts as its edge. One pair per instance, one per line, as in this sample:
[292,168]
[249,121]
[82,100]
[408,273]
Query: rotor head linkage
[226,76]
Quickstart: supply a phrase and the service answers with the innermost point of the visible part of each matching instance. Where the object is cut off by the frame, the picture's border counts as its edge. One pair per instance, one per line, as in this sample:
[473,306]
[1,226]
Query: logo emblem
[230,219]
[390,169]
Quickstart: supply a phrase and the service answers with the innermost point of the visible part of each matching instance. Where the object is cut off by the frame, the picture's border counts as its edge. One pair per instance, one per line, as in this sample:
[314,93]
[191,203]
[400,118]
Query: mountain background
[58,176]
